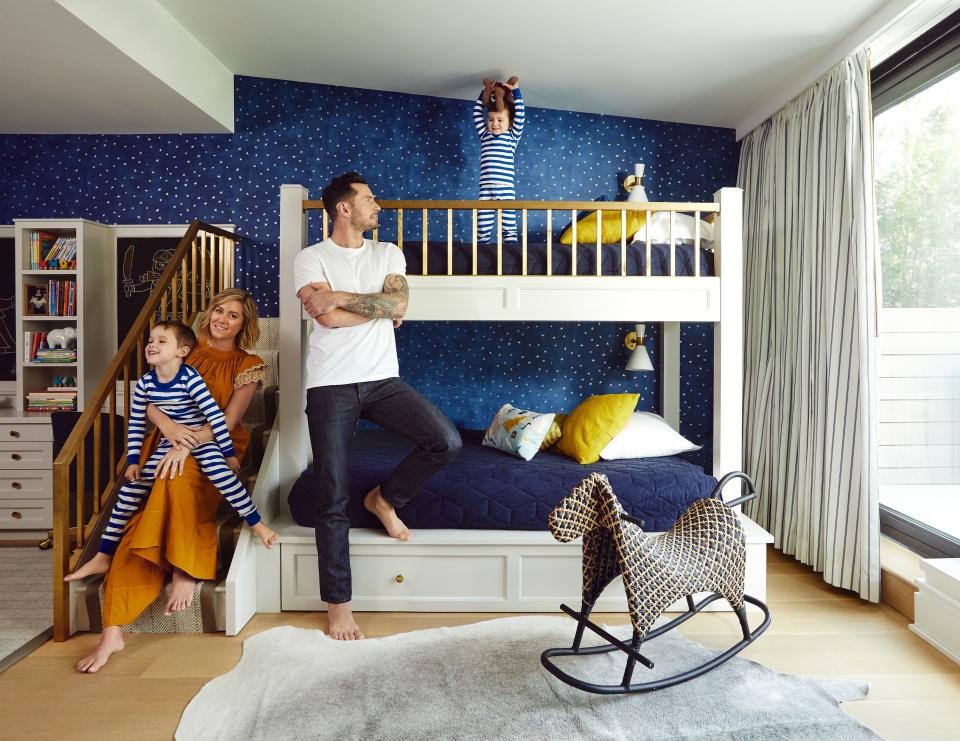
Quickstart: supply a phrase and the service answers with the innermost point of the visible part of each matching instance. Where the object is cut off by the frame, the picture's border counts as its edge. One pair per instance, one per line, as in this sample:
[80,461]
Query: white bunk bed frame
[490,570]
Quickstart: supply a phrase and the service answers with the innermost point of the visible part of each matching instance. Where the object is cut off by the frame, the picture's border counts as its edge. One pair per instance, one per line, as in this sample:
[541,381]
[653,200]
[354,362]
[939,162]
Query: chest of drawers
[26,476]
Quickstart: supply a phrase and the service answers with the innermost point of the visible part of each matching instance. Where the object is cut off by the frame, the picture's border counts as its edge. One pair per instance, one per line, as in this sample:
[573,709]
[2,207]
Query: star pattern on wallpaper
[408,147]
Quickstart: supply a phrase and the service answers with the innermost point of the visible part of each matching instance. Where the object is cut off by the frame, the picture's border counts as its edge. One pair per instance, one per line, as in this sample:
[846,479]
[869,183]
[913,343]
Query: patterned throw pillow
[556,430]
[518,431]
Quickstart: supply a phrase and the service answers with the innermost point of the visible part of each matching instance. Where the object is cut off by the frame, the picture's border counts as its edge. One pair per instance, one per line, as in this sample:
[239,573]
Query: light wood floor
[817,630]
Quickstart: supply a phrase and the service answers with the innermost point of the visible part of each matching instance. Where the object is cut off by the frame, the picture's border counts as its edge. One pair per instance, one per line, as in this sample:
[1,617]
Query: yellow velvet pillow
[609,228]
[593,424]
[555,431]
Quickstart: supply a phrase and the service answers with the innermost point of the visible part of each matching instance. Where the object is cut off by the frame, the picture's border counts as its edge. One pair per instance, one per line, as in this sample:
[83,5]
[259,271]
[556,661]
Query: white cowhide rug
[485,681]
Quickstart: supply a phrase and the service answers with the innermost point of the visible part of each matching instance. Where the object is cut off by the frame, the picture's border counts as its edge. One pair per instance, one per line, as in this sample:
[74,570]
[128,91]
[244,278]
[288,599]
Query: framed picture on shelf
[37,301]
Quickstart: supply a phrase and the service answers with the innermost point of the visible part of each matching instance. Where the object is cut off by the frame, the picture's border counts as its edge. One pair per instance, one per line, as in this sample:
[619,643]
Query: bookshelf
[70,300]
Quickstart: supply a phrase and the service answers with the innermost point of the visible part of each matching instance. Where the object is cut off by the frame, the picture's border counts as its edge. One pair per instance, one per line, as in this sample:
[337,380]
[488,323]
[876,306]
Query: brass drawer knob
[16,456]
[398,578]
[14,433]
[16,485]
[16,515]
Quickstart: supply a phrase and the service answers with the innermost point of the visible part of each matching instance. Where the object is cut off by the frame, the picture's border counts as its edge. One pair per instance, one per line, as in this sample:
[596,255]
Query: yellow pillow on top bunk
[593,424]
[610,231]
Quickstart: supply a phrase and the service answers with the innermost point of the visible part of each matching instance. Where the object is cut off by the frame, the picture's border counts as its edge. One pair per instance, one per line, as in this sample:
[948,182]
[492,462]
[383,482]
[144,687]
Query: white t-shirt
[365,352]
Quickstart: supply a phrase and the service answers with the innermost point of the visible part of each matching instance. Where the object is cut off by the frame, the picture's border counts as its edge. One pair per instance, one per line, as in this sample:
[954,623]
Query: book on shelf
[55,356]
[56,298]
[62,400]
[61,255]
[41,243]
[36,350]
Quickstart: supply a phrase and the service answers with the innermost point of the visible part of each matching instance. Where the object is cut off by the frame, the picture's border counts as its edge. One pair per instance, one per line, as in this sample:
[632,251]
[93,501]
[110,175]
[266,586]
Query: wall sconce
[639,358]
[633,184]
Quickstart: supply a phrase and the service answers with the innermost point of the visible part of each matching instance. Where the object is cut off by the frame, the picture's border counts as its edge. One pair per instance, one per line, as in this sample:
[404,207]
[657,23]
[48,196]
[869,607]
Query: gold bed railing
[423,209]
[200,267]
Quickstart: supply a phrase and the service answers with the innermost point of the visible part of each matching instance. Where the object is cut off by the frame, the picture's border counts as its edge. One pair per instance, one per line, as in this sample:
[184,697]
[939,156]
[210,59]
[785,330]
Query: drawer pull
[16,485]
[16,456]
[14,433]
[398,578]
[16,515]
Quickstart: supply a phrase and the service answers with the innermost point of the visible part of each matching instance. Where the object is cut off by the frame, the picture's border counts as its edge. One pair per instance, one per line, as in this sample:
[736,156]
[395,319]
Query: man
[356,292]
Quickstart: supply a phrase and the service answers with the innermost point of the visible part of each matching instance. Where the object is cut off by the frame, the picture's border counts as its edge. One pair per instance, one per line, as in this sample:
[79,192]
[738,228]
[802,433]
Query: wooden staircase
[201,266]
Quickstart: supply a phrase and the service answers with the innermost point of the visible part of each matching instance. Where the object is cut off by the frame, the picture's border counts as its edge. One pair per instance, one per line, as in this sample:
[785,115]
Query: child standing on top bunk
[498,116]
[179,392]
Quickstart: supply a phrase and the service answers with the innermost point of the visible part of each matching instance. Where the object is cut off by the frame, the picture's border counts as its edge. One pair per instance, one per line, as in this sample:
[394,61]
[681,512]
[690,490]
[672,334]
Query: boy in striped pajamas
[499,132]
[179,391]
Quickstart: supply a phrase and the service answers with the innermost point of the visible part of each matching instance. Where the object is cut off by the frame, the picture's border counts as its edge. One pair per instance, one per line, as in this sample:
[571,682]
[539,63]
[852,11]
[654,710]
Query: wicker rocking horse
[703,552]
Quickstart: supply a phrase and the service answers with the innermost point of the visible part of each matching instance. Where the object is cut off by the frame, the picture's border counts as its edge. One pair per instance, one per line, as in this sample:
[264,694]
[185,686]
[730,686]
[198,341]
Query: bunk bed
[534,279]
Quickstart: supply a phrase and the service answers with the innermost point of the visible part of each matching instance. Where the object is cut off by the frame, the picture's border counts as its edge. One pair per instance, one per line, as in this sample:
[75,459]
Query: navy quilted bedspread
[485,489]
[561,257]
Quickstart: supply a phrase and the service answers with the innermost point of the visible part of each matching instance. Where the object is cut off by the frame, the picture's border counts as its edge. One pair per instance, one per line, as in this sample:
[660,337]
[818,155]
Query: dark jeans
[332,414]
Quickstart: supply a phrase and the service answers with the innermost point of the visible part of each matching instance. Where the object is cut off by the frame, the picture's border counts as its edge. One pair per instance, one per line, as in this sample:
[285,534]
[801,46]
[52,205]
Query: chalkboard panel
[140,263]
[8,310]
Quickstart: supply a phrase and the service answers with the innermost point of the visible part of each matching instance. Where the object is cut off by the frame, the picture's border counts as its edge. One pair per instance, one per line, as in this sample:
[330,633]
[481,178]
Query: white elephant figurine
[62,338]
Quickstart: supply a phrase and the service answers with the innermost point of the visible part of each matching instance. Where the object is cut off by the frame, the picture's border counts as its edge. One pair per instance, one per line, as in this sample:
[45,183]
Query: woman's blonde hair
[250,332]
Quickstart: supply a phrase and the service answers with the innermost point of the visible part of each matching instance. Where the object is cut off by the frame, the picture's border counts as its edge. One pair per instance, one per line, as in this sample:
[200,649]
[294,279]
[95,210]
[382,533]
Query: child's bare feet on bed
[374,502]
[342,626]
[110,642]
[99,564]
[181,592]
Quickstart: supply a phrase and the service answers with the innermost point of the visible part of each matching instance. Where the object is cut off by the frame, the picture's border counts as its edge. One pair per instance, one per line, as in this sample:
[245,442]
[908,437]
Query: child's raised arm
[480,108]
[519,111]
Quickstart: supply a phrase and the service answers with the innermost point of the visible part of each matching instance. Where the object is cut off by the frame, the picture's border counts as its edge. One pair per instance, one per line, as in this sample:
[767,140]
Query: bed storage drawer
[461,571]
[399,577]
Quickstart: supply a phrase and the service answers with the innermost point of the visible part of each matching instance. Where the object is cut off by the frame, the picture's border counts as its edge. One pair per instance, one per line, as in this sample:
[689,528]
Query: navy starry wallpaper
[408,147]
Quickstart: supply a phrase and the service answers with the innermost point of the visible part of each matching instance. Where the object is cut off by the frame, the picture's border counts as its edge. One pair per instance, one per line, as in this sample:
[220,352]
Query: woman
[176,531]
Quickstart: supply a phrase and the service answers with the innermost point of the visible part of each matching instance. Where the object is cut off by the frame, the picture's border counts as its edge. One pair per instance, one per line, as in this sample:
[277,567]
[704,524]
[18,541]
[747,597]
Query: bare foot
[99,564]
[181,592]
[374,502]
[110,642]
[267,536]
[342,625]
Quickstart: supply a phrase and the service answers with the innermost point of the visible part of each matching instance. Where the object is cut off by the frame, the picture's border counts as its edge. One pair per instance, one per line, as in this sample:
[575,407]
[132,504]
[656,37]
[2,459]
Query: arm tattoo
[391,304]
[396,284]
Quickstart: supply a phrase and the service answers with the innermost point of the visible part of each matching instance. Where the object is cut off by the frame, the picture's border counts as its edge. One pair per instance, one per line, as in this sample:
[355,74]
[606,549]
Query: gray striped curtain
[810,398]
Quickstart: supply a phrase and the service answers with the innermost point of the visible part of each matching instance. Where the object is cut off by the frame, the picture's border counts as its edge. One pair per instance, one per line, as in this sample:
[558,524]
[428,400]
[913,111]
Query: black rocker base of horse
[634,656]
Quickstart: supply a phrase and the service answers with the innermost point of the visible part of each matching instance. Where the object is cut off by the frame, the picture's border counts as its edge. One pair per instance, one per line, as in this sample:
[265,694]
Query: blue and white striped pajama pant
[487,218]
[133,493]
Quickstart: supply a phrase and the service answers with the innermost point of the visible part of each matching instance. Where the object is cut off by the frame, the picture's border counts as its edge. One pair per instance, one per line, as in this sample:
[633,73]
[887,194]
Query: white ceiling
[725,64]
[59,76]
[697,61]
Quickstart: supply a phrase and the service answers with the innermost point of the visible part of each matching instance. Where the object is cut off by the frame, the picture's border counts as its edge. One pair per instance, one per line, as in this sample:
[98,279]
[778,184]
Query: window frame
[926,60]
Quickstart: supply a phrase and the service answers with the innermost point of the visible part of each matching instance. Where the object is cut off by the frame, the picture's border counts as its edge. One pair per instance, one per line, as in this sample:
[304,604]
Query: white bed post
[728,336]
[670,373]
[293,339]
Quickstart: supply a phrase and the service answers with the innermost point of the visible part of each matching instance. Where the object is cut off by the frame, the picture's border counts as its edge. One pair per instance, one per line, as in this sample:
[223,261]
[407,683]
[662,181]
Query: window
[916,97]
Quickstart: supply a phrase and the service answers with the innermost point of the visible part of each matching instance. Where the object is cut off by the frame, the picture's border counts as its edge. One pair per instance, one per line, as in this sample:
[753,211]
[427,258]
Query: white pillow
[683,227]
[646,435]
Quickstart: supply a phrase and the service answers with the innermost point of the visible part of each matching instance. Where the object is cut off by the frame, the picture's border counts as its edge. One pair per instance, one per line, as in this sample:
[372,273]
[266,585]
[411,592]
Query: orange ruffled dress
[177,526]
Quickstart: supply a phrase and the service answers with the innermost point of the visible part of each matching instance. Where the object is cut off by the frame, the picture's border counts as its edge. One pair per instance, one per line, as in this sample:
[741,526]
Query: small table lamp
[639,358]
